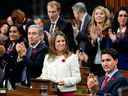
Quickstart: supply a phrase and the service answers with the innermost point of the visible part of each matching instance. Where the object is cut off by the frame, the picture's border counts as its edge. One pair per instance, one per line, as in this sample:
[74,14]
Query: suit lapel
[113,80]
[86,22]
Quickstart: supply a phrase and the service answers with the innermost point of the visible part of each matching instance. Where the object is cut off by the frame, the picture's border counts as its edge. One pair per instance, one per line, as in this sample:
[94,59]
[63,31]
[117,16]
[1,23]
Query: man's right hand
[92,83]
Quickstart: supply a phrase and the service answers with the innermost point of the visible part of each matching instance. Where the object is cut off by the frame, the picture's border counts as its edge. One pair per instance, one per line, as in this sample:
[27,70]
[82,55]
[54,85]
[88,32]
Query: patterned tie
[105,82]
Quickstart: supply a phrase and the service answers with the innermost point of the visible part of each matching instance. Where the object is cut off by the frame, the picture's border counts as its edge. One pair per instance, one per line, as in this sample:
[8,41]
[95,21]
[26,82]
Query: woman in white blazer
[61,66]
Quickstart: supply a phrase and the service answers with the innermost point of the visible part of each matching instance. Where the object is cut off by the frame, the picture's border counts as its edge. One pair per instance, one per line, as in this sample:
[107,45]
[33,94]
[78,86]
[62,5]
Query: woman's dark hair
[21,31]
[19,28]
[115,23]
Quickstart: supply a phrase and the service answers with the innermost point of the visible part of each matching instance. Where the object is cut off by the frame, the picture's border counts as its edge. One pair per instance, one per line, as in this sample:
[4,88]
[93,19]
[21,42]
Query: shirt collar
[84,17]
[112,73]
[55,20]
[82,21]
[34,46]
[121,30]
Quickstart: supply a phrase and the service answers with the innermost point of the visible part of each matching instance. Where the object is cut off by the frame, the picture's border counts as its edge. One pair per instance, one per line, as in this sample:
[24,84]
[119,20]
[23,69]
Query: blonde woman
[100,23]
[99,36]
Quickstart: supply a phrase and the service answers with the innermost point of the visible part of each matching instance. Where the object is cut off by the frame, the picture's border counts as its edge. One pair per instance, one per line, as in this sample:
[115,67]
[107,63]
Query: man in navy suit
[113,79]
[34,55]
[57,22]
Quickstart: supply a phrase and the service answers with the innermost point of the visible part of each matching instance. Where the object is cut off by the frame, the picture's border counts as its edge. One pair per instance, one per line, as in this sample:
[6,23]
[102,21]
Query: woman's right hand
[112,36]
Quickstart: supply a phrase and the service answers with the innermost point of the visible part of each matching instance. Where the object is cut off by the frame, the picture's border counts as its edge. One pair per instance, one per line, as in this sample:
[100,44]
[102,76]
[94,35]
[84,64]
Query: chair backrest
[123,91]
[125,73]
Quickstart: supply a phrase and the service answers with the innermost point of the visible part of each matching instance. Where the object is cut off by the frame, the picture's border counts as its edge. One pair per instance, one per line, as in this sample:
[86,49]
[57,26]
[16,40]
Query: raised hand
[92,83]
[21,49]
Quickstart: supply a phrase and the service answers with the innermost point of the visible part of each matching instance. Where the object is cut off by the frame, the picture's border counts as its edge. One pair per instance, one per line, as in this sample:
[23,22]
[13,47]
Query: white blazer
[62,68]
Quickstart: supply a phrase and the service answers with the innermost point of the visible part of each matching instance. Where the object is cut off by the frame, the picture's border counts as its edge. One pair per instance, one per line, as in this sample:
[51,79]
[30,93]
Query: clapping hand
[82,56]
[112,36]
[21,49]
[92,83]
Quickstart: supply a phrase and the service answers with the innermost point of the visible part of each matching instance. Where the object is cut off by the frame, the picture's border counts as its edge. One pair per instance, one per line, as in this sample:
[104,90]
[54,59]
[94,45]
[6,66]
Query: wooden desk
[3,91]
[38,88]
[44,85]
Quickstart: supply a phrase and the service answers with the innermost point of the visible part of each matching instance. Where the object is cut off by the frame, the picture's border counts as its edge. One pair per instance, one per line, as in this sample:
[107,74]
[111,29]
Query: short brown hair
[18,16]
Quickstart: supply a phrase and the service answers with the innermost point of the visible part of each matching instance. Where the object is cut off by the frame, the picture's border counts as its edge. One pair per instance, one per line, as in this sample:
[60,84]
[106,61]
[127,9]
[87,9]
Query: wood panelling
[116,4]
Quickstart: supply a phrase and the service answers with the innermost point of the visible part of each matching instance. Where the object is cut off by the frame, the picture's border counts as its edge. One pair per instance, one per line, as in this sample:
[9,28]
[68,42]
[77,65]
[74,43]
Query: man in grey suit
[81,15]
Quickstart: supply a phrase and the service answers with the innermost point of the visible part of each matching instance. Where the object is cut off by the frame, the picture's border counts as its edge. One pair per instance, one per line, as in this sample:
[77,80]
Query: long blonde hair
[105,24]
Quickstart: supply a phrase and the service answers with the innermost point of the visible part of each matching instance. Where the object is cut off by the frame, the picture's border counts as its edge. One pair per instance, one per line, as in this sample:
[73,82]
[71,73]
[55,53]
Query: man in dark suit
[84,45]
[81,15]
[57,22]
[113,79]
[34,56]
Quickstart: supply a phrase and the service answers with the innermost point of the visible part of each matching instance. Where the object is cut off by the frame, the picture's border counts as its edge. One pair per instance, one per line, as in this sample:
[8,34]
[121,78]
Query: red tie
[105,82]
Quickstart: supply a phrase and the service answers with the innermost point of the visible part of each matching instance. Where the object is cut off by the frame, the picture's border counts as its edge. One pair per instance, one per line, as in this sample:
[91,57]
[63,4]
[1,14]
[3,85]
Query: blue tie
[29,52]
[24,73]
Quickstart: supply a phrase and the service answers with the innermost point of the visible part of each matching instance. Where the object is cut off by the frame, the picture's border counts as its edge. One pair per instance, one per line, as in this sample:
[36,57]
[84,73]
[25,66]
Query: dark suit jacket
[67,29]
[105,42]
[2,67]
[86,23]
[117,81]
[11,63]
[34,61]
[121,45]
[82,37]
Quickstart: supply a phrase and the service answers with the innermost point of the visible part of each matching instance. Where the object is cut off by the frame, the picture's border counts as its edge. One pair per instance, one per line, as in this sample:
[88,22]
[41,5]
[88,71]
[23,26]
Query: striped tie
[105,82]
